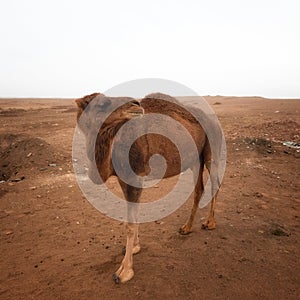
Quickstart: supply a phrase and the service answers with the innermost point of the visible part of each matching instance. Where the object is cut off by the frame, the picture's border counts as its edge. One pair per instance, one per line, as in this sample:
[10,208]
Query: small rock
[29,154]
[246,194]
[9,232]
[280,231]
[18,179]
[264,206]
[158,222]
[32,188]
[52,165]
[258,194]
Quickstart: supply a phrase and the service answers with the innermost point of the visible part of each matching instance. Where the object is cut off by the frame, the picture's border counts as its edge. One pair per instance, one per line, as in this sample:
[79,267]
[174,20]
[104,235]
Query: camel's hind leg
[210,222]
[187,227]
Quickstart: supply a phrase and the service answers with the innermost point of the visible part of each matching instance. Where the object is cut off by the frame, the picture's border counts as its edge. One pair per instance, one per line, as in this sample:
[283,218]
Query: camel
[140,153]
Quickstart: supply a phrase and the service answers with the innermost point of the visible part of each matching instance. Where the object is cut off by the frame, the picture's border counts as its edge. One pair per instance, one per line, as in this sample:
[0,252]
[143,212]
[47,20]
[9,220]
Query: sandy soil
[54,244]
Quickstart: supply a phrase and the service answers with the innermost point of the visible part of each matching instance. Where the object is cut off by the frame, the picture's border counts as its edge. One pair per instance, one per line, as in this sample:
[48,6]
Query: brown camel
[142,149]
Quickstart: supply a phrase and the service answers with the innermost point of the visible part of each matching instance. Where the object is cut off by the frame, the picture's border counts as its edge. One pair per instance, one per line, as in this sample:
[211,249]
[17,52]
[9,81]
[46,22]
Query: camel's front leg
[136,244]
[125,272]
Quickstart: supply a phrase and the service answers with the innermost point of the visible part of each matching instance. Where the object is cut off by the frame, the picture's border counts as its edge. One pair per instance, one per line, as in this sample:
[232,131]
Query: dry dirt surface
[55,245]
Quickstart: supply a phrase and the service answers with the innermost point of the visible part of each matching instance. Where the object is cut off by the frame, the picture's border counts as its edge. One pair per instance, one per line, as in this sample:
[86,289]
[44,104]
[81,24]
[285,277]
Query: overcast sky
[63,48]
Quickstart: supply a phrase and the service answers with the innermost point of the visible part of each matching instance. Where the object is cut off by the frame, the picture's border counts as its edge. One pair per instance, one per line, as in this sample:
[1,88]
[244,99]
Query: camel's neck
[103,149]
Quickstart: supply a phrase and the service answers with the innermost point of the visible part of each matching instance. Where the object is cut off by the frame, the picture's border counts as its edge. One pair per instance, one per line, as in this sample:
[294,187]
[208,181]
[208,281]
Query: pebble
[258,194]
[18,179]
[159,222]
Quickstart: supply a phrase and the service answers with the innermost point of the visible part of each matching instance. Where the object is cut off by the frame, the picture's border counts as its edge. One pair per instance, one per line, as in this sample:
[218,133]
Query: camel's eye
[135,102]
[100,106]
[104,105]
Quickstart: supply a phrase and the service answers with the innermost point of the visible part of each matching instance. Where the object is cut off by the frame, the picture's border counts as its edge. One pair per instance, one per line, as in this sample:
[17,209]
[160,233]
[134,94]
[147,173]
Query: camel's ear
[83,102]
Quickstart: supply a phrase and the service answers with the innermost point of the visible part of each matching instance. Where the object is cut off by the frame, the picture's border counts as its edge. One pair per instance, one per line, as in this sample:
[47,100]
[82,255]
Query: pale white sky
[64,48]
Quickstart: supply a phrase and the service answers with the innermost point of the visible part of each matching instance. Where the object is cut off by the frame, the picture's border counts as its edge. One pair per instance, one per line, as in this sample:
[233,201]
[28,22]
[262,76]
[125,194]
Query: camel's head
[97,109]
[100,116]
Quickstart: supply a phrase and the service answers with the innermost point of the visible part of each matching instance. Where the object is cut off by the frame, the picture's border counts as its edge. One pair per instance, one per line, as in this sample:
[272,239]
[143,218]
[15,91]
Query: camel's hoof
[123,276]
[183,231]
[208,225]
[116,279]
[204,226]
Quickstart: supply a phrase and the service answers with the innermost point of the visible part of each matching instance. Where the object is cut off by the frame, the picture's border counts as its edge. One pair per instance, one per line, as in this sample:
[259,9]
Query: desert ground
[56,245]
